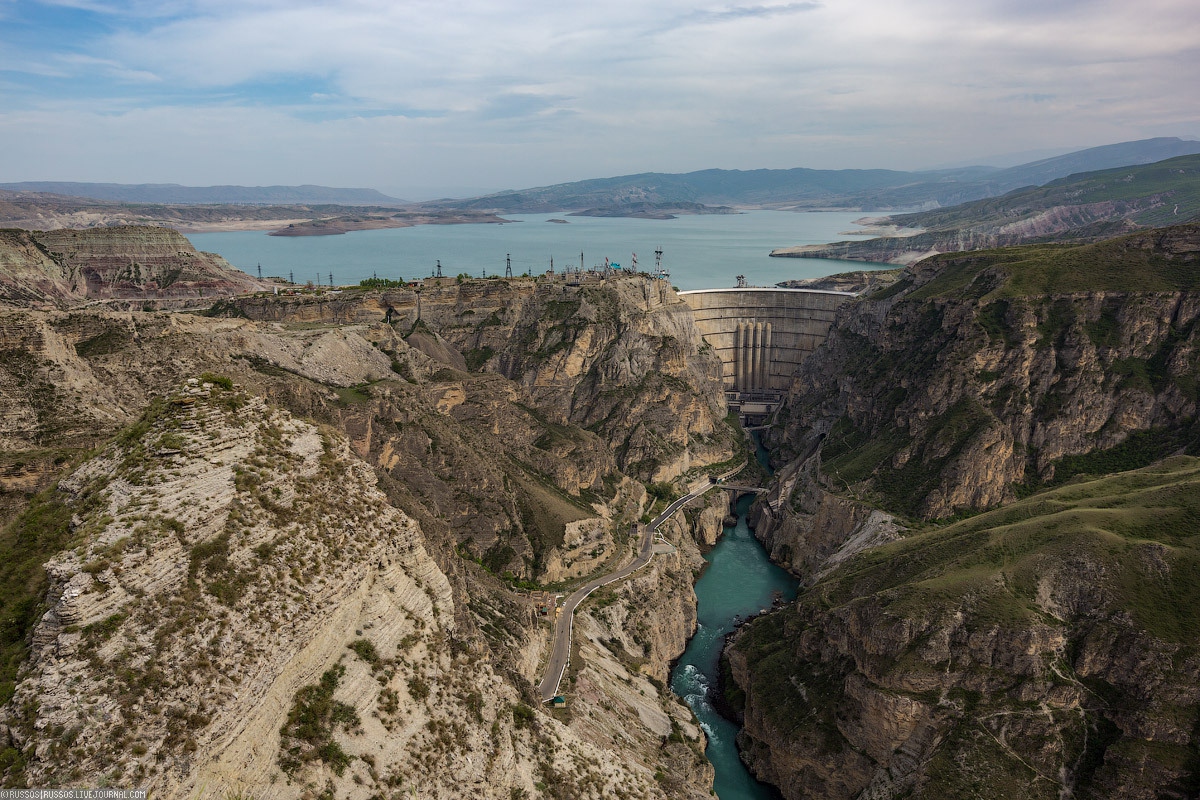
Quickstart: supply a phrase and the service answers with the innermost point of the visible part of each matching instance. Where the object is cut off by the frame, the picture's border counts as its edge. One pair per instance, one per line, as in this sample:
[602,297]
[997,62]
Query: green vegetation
[210,559]
[1111,563]
[315,715]
[476,358]
[1140,449]
[26,544]
[109,341]
[353,395]
[523,716]
[217,380]
[992,562]
[1132,263]
[662,491]
[366,650]
[382,283]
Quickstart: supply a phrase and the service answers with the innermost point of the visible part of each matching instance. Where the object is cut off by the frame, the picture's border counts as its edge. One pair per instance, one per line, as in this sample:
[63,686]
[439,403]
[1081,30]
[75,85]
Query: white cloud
[536,92]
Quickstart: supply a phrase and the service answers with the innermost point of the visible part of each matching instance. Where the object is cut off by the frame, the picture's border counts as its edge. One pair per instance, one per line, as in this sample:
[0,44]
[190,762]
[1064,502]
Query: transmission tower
[260,272]
[439,268]
[508,265]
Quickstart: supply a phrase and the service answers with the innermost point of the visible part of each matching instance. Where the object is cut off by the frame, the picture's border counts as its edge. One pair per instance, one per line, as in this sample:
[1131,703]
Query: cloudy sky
[418,98]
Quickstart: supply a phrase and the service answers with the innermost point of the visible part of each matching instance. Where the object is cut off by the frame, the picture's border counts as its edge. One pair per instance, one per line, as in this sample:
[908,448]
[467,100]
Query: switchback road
[561,654]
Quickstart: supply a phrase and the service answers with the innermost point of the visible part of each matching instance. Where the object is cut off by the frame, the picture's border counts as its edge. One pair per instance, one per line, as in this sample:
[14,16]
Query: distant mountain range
[1081,207]
[857,189]
[652,194]
[171,193]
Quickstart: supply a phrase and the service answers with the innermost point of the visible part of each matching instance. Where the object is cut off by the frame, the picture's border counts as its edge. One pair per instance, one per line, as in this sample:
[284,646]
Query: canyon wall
[1045,647]
[136,264]
[386,558]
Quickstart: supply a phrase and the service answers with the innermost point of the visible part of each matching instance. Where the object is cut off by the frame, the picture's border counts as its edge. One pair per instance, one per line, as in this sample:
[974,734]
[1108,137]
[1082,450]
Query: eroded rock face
[620,357]
[1026,651]
[64,268]
[468,460]
[229,555]
[938,406]
[1033,684]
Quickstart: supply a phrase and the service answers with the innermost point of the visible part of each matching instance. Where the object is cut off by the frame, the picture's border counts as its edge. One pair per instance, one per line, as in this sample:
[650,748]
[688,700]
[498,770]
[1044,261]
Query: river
[739,580]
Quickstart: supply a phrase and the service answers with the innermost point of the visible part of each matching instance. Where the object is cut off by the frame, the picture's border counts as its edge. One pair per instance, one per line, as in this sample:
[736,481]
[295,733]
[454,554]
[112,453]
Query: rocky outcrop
[1024,652]
[963,384]
[65,268]
[244,612]
[809,530]
[216,582]
[495,484]
[619,356]
[627,635]
[1027,651]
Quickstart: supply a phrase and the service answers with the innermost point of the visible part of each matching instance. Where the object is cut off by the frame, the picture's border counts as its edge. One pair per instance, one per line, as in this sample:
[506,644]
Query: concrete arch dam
[762,335]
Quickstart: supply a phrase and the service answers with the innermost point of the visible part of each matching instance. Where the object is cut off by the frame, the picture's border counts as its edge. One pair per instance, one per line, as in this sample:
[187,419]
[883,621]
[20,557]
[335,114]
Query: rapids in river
[738,582]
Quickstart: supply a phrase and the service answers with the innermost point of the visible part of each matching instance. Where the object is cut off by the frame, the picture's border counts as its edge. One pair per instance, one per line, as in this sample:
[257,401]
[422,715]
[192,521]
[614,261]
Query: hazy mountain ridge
[46,204]
[176,194]
[1082,207]
[877,189]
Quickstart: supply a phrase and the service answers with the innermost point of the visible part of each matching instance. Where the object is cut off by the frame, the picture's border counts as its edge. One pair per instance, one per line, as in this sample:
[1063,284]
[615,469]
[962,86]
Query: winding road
[560,656]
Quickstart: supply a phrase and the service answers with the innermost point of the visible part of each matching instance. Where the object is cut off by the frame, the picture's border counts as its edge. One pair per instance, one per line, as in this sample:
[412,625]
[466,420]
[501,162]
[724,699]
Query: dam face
[762,335]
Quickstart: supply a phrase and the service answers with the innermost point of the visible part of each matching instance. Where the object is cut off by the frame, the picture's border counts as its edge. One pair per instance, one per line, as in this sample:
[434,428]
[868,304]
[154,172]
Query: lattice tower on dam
[762,335]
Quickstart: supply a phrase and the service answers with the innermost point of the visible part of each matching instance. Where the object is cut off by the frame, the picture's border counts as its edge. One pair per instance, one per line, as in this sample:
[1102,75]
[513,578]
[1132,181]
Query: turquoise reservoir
[701,252]
[739,581]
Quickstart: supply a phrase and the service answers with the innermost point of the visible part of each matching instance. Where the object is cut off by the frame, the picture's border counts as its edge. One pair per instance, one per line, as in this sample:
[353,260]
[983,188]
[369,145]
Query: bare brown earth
[41,211]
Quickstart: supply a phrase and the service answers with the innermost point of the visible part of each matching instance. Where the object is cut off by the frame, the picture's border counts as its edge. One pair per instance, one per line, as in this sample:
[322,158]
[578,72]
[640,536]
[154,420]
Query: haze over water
[700,252]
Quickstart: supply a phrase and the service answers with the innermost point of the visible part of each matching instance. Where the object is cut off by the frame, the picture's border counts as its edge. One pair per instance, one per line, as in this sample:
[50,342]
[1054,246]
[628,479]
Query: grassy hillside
[1150,194]
[1153,261]
[993,562]
[1047,646]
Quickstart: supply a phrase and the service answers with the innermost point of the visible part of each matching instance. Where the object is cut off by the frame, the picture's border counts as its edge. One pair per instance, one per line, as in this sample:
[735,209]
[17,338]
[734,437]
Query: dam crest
[761,336]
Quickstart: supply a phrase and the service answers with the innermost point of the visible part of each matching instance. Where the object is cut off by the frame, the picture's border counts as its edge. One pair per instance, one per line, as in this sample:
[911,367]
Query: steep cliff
[620,357]
[1045,649]
[976,374]
[239,609]
[478,464]
[627,635]
[65,268]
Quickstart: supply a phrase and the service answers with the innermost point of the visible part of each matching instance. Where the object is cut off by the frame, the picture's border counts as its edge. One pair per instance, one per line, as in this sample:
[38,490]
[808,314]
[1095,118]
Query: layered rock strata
[236,573]
[138,264]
